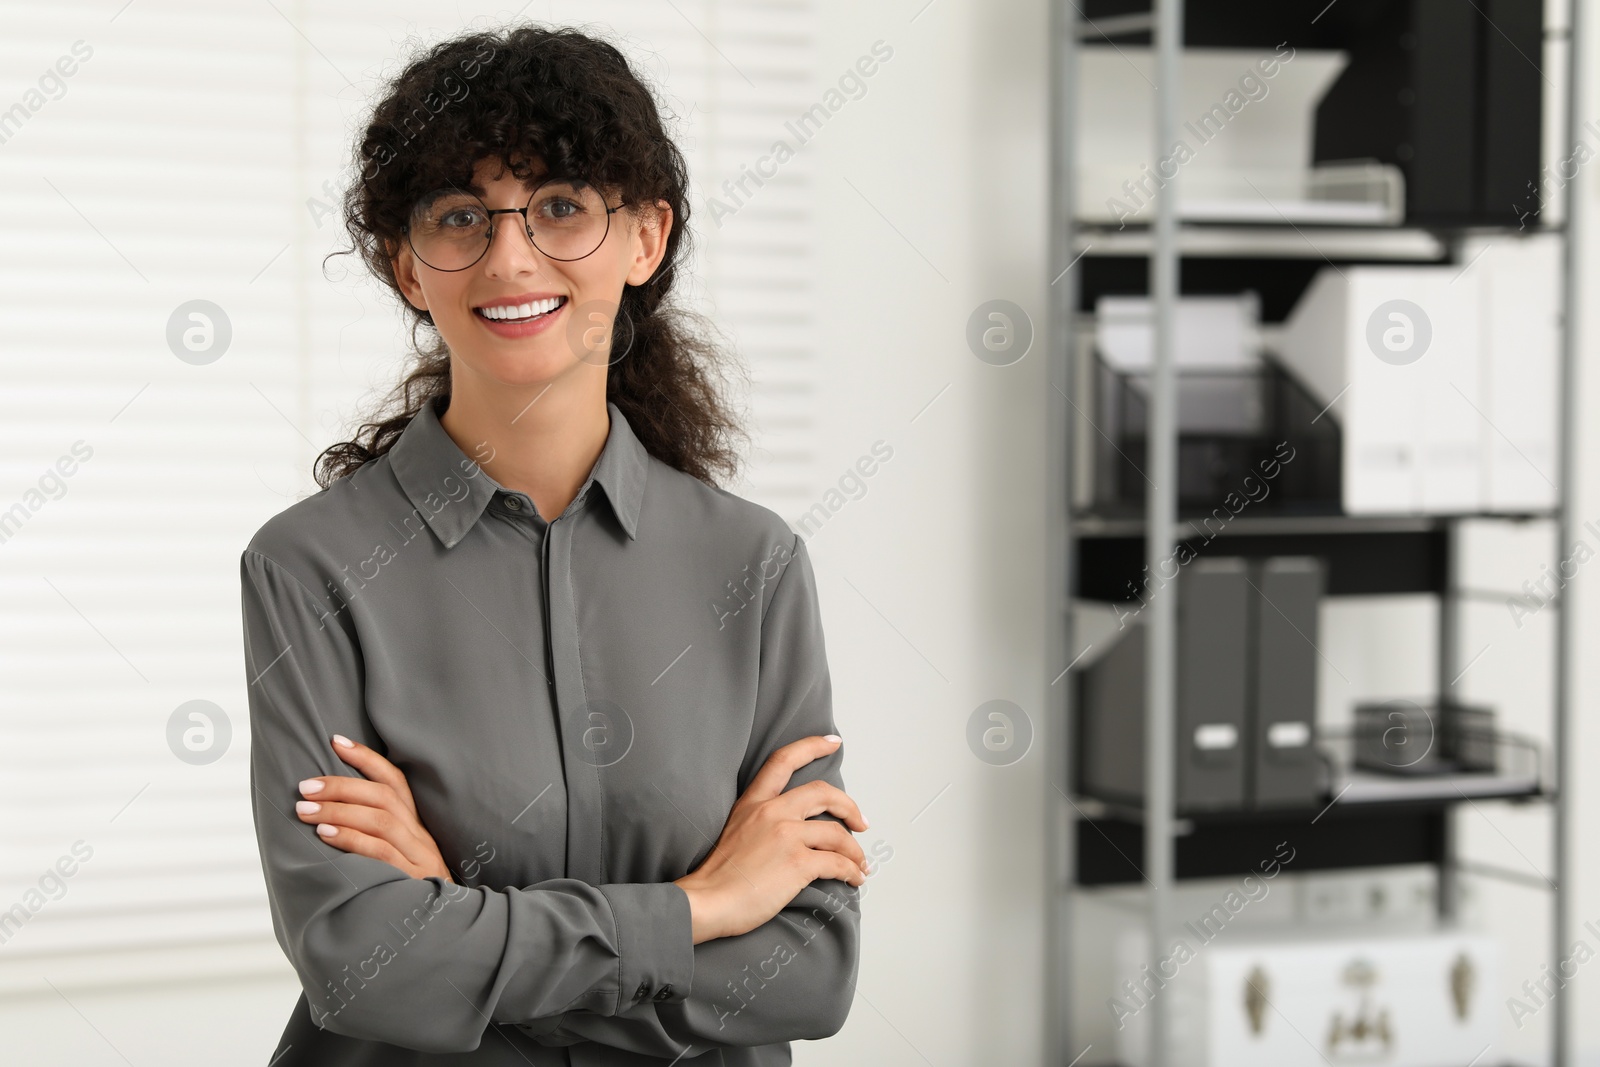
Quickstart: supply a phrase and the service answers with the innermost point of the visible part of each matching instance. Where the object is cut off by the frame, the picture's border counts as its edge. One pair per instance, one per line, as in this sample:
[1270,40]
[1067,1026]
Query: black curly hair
[569,99]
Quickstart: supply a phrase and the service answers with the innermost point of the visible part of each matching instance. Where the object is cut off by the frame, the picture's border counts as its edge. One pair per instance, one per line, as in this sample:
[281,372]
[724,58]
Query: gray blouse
[576,704]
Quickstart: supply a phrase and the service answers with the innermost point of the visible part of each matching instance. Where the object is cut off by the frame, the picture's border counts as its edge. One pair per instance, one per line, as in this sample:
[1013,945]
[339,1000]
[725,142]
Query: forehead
[492,170]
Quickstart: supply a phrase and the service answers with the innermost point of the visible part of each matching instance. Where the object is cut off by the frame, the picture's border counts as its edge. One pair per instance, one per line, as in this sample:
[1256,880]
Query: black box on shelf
[1408,738]
[1246,691]
[1470,739]
[1259,424]
[1449,92]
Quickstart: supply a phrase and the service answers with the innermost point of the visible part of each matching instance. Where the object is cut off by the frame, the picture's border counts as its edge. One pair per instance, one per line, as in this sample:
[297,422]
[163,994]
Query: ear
[651,229]
[405,275]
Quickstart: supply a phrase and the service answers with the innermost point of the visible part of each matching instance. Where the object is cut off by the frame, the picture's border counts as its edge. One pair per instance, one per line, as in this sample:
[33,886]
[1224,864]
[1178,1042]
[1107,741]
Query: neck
[541,440]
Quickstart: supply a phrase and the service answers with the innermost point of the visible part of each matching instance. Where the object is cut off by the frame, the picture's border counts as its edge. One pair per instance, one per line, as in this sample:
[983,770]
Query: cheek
[444,294]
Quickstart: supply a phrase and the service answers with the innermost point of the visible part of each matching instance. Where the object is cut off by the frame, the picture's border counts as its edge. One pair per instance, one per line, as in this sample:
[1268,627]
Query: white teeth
[522,311]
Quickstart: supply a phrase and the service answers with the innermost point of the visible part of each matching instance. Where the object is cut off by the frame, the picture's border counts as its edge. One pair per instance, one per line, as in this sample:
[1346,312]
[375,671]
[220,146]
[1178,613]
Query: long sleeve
[793,977]
[417,962]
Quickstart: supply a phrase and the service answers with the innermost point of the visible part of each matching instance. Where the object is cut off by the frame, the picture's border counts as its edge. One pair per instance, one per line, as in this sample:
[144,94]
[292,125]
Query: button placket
[585,860]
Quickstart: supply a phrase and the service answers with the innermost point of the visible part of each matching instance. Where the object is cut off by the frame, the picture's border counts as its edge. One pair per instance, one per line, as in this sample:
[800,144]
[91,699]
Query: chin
[520,369]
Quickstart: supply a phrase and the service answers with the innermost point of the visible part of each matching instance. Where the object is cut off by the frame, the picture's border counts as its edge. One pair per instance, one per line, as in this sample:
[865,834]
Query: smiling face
[516,317]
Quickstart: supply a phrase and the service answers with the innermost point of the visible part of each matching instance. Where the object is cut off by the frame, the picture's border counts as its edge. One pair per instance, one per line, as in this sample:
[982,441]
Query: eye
[460,217]
[559,208]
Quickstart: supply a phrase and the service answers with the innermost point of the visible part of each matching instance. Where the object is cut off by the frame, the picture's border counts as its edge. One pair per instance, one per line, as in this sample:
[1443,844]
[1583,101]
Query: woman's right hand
[771,848]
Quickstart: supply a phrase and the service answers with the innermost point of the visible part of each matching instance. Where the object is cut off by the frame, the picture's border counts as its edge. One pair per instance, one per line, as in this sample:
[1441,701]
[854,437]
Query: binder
[1285,594]
[1247,668]
[1212,692]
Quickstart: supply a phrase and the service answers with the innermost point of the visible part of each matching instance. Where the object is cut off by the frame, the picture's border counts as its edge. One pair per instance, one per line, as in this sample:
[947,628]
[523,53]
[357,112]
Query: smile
[514,313]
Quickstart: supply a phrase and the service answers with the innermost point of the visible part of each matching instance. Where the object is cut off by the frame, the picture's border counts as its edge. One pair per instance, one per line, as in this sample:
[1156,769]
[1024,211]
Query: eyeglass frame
[527,227]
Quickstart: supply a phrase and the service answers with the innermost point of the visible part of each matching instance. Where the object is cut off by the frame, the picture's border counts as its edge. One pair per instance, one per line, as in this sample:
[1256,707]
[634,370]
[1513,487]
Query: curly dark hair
[571,100]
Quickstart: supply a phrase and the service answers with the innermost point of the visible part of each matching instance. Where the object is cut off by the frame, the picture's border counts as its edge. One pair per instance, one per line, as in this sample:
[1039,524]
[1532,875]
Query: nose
[511,253]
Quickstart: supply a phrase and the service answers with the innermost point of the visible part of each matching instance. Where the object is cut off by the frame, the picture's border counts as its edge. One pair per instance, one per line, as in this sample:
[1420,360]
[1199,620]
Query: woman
[572,780]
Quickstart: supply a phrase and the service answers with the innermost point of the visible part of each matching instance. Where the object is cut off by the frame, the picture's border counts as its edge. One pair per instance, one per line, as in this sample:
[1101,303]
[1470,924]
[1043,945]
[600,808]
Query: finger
[346,787]
[814,798]
[824,864]
[775,773]
[354,841]
[374,766]
[348,790]
[831,837]
[373,822]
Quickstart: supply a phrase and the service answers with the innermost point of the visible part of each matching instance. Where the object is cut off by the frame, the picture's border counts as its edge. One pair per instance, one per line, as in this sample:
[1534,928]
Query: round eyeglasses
[565,218]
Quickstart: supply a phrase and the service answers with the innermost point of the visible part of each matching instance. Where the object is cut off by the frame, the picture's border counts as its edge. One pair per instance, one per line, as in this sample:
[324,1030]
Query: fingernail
[343,742]
[327,829]
[832,737]
[311,785]
[307,807]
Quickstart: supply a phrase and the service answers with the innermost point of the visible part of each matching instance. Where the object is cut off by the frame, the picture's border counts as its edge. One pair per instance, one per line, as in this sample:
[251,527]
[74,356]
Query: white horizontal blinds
[753,209]
[175,164]
[153,175]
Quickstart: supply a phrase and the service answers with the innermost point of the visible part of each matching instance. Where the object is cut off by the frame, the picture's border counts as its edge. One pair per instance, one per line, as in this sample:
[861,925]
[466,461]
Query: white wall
[932,582]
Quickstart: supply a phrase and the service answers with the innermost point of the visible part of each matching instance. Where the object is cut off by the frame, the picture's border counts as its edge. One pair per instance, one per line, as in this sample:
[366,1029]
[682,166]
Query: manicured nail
[327,829]
[312,785]
[307,807]
[343,742]
[832,737]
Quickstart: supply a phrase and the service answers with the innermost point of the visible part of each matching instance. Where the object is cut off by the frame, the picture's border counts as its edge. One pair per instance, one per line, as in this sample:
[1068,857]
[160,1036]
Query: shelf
[1375,832]
[1364,558]
[1110,850]
[1366,787]
[1336,243]
[1269,240]
[1094,526]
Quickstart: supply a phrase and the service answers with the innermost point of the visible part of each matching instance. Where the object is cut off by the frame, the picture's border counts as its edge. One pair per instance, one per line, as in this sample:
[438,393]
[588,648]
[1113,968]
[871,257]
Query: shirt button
[665,992]
[513,503]
[644,991]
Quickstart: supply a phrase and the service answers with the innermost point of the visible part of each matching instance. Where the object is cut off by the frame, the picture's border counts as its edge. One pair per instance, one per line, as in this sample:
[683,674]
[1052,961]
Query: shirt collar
[450,490]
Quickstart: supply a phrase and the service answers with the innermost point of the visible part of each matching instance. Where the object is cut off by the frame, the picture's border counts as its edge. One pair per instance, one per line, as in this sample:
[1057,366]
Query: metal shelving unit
[1415,827]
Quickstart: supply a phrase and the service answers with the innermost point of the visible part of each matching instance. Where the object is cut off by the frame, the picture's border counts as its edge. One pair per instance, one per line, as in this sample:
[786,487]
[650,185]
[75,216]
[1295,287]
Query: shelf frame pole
[1161,519]
[1569,533]
[1062,297]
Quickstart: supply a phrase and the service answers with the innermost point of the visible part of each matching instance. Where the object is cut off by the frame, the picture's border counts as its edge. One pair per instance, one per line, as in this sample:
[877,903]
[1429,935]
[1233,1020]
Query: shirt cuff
[655,934]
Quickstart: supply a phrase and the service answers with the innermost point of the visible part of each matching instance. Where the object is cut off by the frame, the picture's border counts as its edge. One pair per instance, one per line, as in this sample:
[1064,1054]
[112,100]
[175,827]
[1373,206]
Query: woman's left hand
[371,816]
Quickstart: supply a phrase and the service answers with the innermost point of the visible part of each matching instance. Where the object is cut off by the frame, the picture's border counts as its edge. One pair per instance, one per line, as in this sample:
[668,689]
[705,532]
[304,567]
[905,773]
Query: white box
[1395,352]
[1250,1000]
[1464,421]
[1519,281]
[1208,333]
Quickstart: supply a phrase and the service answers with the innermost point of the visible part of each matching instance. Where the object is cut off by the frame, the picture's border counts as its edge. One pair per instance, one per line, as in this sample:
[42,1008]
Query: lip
[523,329]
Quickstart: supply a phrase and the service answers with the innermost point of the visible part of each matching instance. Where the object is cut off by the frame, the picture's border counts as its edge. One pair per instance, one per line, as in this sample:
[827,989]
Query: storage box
[1405,737]
[1245,999]
[1443,379]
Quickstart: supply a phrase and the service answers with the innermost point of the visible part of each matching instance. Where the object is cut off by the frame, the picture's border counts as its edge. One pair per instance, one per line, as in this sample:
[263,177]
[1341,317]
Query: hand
[770,848]
[375,818]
